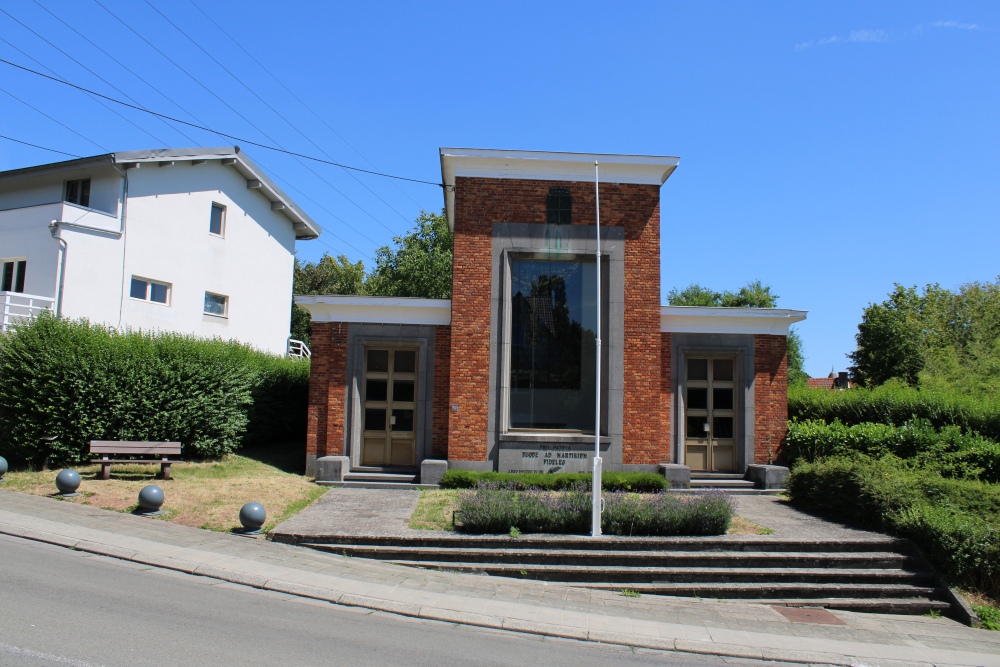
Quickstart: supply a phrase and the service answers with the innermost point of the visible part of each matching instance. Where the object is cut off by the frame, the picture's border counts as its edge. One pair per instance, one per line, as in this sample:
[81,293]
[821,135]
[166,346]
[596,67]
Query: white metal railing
[297,348]
[15,306]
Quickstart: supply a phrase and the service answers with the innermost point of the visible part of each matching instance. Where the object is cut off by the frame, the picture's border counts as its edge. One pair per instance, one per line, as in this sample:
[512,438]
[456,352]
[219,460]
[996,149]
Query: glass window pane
[22,267]
[697,369]
[697,427]
[402,391]
[378,361]
[402,420]
[405,361]
[8,277]
[376,390]
[374,419]
[553,344]
[722,370]
[218,217]
[722,398]
[697,398]
[215,304]
[722,427]
[157,292]
[138,290]
[85,192]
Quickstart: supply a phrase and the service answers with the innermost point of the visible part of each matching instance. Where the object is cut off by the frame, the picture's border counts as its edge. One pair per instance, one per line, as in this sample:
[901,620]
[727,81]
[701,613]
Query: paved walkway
[697,626]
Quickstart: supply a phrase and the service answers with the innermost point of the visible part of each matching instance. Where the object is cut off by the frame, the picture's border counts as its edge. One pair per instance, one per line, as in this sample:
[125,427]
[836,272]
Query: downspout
[60,266]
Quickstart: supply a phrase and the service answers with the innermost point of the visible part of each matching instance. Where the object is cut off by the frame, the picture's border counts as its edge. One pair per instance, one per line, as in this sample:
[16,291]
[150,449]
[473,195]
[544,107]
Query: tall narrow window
[78,192]
[12,275]
[216,304]
[149,290]
[217,223]
[559,207]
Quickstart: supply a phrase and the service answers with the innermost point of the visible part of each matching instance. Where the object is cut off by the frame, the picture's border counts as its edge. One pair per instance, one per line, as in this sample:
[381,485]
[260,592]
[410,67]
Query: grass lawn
[204,495]
[436,508]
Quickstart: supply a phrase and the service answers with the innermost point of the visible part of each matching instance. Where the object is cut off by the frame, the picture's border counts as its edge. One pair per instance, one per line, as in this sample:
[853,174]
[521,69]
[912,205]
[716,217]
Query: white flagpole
[595,515]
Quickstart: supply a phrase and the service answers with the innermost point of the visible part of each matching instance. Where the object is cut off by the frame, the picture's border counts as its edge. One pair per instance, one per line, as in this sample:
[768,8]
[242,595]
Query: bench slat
[168,461]
[148,448]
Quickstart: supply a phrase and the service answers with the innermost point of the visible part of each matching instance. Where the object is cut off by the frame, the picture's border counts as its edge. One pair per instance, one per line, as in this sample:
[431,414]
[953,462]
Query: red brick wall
[327,390]
[480,202]
[442,366]
[666,397]
[770,362]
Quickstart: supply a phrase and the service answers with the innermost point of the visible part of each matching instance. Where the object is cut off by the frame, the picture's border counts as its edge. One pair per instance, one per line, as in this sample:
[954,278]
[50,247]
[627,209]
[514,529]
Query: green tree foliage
[418,264]
[938,339]
[327,276]
[752,295]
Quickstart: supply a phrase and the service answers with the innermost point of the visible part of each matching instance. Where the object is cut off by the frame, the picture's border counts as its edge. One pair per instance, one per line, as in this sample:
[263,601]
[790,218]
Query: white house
[197,241]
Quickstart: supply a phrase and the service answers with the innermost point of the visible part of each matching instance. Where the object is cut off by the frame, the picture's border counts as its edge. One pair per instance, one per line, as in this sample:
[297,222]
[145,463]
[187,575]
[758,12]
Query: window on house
[149,290]
[553,343]
[78,192]
[559,207]
[216,304]
[12,276]
[217,224]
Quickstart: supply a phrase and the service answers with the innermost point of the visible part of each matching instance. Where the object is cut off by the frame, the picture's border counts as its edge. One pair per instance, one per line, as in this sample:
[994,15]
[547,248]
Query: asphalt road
[64,608]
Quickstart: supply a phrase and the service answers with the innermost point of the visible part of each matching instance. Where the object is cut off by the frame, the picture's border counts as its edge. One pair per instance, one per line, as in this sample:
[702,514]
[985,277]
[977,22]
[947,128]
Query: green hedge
[895,404]
[953,521]
[947,450]
[639,482]
[80,382]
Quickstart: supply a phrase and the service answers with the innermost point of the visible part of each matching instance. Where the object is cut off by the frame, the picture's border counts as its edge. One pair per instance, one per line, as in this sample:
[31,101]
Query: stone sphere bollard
[150,500]
[252,516]
[3,468]
[68,481]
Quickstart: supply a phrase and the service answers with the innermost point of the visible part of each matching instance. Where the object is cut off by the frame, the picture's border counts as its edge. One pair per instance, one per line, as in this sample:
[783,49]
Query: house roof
[548,166]
[305,226]
[703,319]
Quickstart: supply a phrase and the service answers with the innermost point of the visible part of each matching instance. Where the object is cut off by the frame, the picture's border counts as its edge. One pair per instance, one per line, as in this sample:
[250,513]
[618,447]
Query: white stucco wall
[105,186]
[22,237]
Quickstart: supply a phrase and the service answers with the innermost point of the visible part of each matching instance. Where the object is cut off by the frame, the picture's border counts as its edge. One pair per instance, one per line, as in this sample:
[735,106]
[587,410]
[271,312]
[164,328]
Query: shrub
[80,382]
[639,482]
[954,521]
[494,507]
[895,404]
[953,453]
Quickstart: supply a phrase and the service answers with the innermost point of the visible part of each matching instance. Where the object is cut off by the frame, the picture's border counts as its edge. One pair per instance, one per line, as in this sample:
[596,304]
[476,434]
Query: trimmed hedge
[953,453]
[638,482]
[953,521]
[494,507]
[896,404]
[79,382]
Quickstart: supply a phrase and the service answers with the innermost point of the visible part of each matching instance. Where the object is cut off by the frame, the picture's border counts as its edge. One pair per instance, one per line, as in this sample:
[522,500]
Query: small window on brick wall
[559,207]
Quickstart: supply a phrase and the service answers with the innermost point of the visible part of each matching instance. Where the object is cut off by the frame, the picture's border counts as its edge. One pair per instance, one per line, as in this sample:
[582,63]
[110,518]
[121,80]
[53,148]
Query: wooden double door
[710,414]
[389,408]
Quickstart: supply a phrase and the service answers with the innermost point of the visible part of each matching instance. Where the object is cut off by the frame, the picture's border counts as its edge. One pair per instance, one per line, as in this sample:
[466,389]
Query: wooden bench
[124,448]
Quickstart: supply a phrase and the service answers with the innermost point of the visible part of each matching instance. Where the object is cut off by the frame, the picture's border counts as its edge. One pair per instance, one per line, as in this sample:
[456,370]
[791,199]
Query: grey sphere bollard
[3,468]
[150,501]
[252,516]
[68,481]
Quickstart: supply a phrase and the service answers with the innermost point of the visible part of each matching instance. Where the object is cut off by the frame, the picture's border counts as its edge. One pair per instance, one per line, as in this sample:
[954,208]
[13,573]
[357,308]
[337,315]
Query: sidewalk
[696,626]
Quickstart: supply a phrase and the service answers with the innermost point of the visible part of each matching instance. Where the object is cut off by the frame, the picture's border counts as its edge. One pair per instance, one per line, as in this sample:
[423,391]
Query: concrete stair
[719,480]
[882,575]
[380,480]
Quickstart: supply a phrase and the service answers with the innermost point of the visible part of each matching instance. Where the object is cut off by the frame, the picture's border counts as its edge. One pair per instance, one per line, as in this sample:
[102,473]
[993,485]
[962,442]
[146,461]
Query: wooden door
[389,408]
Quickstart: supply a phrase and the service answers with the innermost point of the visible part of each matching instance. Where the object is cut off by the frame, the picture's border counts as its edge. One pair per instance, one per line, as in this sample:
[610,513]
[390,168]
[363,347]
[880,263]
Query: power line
[37,110]
[218,132]
[275,111]
[51,150]
[297,98]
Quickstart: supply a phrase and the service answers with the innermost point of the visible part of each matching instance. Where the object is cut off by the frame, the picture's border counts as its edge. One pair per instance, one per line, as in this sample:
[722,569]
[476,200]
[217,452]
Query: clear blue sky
[828,149]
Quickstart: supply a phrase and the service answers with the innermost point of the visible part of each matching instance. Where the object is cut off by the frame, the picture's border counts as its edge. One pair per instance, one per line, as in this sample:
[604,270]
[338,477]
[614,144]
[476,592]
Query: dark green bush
[953,521]
[81,382]
[896,404]
[948,450]
[639,482]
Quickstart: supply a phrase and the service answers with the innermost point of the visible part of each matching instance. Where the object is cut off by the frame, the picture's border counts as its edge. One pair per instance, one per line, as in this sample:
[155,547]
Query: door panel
[389,437]
[710,414]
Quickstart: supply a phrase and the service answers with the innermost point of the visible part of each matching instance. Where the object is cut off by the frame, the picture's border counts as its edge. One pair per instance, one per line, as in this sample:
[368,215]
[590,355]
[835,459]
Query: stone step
[739,483]
[364,484]
[387,477]
[575,573]
[787,590]
[911,606]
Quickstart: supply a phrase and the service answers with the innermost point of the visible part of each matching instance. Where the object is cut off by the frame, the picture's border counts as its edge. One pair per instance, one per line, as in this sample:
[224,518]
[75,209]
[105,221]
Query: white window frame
[149,283]
[14,273]
[225,304]
[222,223]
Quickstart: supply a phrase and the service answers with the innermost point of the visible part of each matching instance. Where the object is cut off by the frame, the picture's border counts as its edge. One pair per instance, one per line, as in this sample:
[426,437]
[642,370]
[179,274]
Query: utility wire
[275,111]
[120,64]
[106,106]
[37,110]
[218,132]
[51,150]
[297,98]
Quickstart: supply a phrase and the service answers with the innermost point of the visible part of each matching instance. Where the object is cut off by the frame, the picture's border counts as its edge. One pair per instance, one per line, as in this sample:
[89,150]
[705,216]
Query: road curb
[447,615]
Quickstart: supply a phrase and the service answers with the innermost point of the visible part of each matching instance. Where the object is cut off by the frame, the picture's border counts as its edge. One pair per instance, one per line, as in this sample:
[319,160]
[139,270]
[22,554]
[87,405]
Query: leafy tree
[694,295]
[327,276]
[888,340]
[418,264]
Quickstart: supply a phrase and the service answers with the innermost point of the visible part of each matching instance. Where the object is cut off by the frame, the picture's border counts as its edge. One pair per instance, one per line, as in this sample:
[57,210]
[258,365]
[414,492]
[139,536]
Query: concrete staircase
[379,480]
[882,575]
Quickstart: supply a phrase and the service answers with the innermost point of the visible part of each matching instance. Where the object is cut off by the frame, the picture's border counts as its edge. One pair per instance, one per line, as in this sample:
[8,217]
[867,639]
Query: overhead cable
[26,143]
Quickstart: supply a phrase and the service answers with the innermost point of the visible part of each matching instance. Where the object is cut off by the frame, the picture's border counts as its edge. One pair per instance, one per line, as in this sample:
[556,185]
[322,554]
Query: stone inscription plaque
[545,457]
